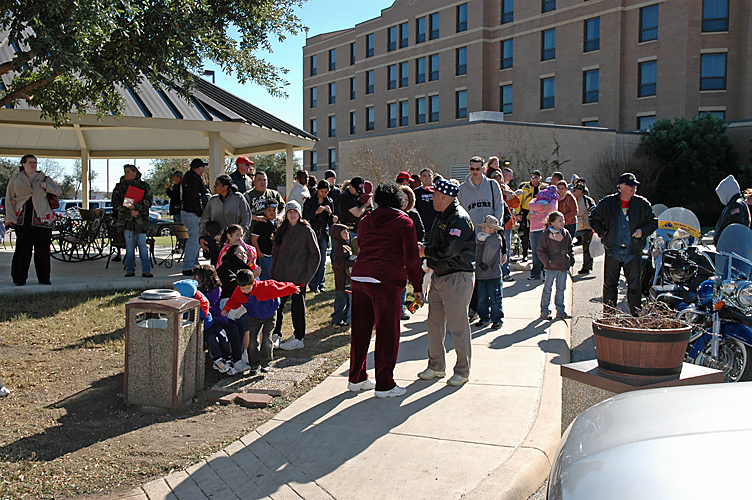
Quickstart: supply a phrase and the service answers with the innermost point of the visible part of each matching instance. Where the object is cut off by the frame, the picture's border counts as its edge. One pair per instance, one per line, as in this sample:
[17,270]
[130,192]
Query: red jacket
[262,290]
[568,206]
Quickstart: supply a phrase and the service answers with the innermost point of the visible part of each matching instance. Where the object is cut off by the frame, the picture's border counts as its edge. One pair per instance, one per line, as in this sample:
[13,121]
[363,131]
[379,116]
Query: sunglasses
[476,169]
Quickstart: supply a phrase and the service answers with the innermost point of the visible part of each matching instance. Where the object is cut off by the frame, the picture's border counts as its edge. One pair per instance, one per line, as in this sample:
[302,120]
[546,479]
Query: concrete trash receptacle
[164,352]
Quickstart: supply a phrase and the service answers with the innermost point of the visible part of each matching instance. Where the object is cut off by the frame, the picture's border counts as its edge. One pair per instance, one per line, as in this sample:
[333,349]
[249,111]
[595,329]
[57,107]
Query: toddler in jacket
[555,252]
[490,255]
[342,262]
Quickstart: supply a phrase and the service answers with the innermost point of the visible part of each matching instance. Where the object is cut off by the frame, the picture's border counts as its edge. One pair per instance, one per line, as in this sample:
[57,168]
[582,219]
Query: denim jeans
[131,240]
[535,237]
[190,259]
[490,294]
[561,284]
[342,306]
[508,241]
[265,263]
[318,278]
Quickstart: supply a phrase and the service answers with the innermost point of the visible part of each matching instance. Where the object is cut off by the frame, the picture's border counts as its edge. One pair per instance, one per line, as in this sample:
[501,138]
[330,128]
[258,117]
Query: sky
[320,16]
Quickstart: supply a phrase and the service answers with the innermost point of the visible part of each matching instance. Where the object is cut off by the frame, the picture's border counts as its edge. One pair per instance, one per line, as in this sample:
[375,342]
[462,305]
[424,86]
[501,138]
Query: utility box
[164,352]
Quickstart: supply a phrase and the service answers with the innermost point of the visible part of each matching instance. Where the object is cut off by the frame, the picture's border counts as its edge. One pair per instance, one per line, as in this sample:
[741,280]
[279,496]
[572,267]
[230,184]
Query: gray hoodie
[726,189]
[481,200]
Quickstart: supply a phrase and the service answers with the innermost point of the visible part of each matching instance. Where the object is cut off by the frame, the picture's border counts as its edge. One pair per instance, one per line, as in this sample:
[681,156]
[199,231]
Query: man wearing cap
[243,174]
[350,209]
[529,191]
[195,198]
[335,192]
[624,221]
[584,204]
[424,198]
[172,188]
[300,191]
[403,178]
[449,252]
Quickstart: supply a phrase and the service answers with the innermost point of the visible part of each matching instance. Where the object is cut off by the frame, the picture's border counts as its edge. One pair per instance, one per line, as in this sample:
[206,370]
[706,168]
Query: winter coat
[232,209]
[528,193]
[263,301]
[341,260]
[450,246]
[189,288]
[295,256]
[539,210]
[299,193]
[227,273]
[195,193]
[19,191]
[125,219]
[488,257]
[319,222]
[243,182]
[567,205]
[556,255]
[479,201]
[584,204]
[173,192]
[605,218]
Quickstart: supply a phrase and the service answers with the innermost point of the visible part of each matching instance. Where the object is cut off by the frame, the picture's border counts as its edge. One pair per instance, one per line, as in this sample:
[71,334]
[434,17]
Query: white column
[289,174]
[84,178]
[216,157]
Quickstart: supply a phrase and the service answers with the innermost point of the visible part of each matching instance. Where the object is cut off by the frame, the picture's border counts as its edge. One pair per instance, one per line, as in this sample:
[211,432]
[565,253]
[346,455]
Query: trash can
[164,352]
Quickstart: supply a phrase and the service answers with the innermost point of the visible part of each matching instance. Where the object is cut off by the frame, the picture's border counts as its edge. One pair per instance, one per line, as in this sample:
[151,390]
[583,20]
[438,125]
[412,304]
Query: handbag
[52,200]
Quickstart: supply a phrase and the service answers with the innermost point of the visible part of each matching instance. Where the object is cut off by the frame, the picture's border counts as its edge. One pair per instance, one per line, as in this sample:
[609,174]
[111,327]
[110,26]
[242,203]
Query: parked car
[2,205]
[673,443]
[159,226]
[66,205]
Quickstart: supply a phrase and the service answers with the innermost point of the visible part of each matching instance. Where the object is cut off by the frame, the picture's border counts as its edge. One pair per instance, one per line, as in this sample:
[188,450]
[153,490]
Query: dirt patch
[66,431]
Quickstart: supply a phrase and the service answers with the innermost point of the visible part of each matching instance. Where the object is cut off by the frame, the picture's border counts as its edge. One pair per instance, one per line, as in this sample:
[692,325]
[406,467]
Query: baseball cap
[357,184]
[447,187]
[198,162]
[244,159]
[536,172]
[629,179]
[403,176]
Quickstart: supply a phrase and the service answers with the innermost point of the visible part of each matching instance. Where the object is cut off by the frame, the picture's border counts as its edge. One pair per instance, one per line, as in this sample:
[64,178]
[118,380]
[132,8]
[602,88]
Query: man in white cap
[450,252]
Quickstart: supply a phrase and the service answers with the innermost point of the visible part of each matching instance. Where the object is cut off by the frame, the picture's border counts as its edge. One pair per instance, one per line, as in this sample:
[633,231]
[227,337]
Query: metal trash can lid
[160,294]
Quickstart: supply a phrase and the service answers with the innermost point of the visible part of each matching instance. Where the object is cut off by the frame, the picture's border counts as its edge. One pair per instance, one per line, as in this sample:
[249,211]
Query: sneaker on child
[291,344]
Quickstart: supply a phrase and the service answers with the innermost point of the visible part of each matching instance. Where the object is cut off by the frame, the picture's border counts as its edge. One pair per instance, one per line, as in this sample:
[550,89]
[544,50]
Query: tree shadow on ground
[47,305]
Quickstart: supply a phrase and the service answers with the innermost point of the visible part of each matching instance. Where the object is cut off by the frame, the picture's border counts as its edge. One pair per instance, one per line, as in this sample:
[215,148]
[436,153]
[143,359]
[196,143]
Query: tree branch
[16,62]
[23,91]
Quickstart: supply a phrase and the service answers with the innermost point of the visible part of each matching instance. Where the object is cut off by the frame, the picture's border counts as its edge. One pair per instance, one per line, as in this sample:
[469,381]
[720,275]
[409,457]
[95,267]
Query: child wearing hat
[490,255]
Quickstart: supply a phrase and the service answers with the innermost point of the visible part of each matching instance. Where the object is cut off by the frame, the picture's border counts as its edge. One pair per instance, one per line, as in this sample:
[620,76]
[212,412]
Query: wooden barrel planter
[634,352]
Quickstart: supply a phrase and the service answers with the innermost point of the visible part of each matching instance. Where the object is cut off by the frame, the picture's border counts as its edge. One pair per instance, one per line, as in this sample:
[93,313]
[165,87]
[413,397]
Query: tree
[8,167]
[75,179]
[161,171]
[610,164]
[695,155]
[384,165]
[275,166]
[526,150]
[73,55]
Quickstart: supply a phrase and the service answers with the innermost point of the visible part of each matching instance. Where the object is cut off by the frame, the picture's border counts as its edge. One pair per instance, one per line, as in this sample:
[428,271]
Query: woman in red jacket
[568,206]
[388,256]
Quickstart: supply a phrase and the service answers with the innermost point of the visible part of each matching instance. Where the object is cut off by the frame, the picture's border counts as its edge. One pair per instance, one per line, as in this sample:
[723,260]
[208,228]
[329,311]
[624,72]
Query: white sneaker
[429,374]
[395,392]
[4,391]
[244,357]
[220,365]
[231,368]
[275,340]
[241,366]
[291,344]
[366,385]
[457,380]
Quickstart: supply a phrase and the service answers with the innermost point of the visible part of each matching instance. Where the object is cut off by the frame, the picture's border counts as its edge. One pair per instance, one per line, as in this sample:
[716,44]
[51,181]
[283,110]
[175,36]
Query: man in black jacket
[624,221]
[173,189]
[450,252]
[195,197]
[243,174]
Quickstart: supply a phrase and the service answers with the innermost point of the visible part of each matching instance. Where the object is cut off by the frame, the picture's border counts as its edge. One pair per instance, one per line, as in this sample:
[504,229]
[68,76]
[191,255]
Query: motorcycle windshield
[734,253]
[678,218]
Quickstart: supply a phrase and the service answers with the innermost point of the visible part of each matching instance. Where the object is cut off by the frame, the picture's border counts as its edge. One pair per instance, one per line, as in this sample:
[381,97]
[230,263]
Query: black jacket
[195,193]
[174,193]
[605,216]
[736,212]
[320,223]
[244,182]
[227,273]
[451,243]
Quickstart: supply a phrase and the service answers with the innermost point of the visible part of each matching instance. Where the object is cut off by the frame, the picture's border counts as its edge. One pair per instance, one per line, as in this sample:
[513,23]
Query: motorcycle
[721,318]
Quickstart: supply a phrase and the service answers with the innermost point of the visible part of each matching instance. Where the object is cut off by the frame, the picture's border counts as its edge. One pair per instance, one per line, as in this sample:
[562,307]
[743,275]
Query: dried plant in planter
[653,316]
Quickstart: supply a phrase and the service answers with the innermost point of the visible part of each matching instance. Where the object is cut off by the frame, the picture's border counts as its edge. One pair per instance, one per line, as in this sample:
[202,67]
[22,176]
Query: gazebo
[155,123]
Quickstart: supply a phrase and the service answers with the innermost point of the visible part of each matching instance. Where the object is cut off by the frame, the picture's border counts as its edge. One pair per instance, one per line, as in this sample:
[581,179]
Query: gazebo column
[216,157]
[288,169]
[84,178]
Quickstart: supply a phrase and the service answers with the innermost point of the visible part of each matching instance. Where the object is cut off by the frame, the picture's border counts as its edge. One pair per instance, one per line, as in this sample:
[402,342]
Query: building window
[391,39]
[403,113]
[352,53]
[433,67]
[332,126]
[391,113]
[590,123]
[314,126]
[507,11]
[420,29]
[369,81]
[314,160]
[548,44]
[590,85]
[462,17]
[404,34]
[433,108]
[391,77]
[369,45]
[332,159]
[420,110]
[332,59]
[506,99]
[461,66]
[353,123]
[645,122]
[548,5]
[433,26]
[592,34]
[649,23]
[352,88]
[369,118]
[715,15]
[420,70]
[314,94]
[332,93]
[648,78]
[718,114]
[314,65]
[507,52]
[460,99]
[547,93]
[713,72]
[403,74]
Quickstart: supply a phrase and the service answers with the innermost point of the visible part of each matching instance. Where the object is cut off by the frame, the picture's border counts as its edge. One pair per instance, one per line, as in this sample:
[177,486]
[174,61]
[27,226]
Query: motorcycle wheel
[735,360]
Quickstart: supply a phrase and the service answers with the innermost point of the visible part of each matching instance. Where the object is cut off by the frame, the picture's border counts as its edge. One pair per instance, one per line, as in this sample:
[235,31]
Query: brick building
[615,64]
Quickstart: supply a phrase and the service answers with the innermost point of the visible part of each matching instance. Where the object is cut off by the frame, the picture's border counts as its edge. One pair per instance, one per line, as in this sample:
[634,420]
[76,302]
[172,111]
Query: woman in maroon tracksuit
[388,256]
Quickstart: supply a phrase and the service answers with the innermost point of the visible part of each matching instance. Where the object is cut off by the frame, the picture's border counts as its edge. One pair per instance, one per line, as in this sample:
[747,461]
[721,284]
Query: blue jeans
[131,240]
[508,241]
[190,259]
[490,294]
[403,296]
[265,263]
[342,306]
[318,278]
[535,237]
[561,284]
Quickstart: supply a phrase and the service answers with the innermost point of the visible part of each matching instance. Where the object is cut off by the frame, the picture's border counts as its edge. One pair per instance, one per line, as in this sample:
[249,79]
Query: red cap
[244,159]
[402,176]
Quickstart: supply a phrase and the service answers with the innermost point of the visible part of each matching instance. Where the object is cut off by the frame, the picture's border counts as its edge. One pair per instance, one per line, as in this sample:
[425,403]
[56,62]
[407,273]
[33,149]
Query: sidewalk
[491,439]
